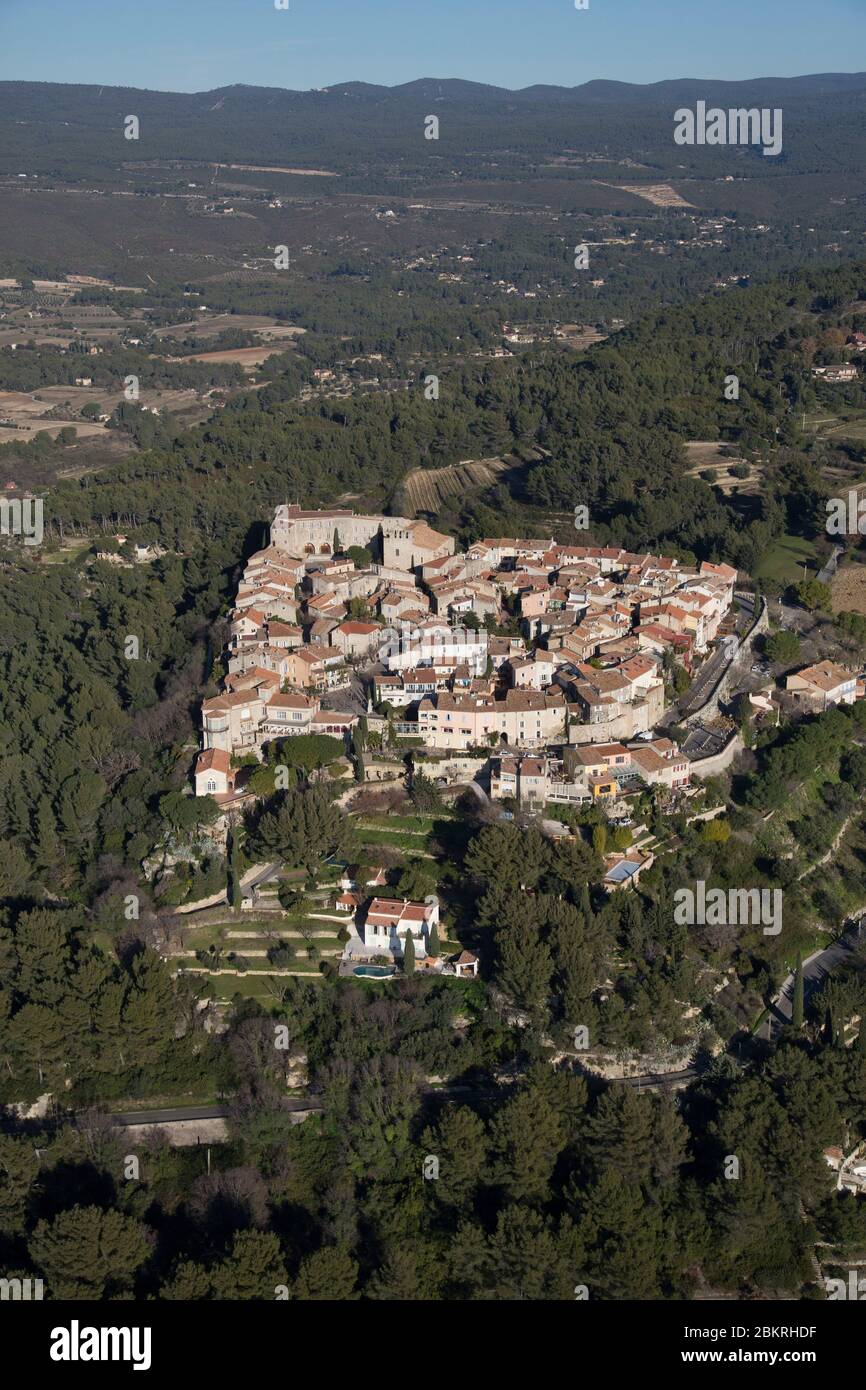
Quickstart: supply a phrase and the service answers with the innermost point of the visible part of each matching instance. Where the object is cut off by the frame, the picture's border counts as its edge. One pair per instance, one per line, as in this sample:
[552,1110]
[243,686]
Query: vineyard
[427,489]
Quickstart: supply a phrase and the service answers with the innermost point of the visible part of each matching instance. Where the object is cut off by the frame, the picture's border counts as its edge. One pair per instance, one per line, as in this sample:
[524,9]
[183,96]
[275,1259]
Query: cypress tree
[585,903]
[409,954]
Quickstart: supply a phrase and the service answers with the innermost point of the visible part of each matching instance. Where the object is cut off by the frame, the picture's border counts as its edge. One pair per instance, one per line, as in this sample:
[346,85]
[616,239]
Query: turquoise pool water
[374,972]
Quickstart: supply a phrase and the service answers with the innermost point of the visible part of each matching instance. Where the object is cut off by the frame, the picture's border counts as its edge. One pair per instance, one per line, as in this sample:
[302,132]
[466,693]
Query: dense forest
[371,132]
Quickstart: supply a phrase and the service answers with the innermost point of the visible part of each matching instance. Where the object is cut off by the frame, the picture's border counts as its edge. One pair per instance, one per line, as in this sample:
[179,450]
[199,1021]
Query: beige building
[316,668]
[214,775]
[405,544]
[592,772]
[524,718]
[824,685]
[356,639]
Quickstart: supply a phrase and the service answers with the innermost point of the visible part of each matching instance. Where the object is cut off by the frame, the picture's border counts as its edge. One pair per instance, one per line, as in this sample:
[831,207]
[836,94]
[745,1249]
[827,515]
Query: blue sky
[195,45]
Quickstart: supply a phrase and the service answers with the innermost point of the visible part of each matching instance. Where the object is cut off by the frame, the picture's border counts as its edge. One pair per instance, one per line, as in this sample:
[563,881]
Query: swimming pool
[374,972]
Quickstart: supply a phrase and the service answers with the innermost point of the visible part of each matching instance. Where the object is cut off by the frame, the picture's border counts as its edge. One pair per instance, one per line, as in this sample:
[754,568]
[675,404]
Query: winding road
[815,970]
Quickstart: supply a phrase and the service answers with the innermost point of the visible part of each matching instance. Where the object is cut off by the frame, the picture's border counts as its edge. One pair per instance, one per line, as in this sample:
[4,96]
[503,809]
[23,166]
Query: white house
[390,920]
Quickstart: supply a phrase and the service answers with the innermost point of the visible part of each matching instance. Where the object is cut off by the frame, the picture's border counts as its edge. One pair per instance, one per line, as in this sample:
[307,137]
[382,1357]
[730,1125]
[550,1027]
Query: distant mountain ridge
[603,89]
[360,129]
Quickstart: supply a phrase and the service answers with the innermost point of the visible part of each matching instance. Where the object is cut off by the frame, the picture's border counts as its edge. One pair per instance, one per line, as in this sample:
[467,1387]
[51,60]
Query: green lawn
[419,824]
[70,551]
[783,560]
[249,986]
[398,839]
[847,424]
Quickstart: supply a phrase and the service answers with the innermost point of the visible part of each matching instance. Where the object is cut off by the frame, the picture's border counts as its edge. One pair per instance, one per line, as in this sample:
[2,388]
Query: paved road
[168,1116]
[661,1080]
[826,574]
[259,874]
[815,971]
[712,669]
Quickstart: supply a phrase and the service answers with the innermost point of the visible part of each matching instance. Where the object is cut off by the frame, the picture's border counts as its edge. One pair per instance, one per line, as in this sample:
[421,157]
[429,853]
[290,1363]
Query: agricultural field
[211,325]
[849,589]
[249,357]
[428,489]
[852,427]
[25,411]
[661,195]
[705,454]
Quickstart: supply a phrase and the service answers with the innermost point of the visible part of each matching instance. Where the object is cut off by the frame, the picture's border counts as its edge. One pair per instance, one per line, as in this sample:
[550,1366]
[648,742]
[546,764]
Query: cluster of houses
[563,713]
[590,772]
[335,588]
[837,374]
[597,626]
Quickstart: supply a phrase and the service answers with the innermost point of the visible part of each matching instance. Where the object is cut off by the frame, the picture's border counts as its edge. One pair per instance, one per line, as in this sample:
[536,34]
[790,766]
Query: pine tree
[669,1140]
[190,1281]
[620,1135]
[528,1135]
[328,1274]
[46,850]
[524,966]
[88,1253]
[459,1141]
[397,1278]
[253,1269]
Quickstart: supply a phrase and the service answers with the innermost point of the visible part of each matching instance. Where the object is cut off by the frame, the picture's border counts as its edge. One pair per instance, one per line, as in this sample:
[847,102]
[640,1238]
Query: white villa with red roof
[390,920]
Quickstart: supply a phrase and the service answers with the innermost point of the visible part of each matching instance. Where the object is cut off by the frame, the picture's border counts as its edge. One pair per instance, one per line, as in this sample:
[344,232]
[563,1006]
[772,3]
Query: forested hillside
[547,1183]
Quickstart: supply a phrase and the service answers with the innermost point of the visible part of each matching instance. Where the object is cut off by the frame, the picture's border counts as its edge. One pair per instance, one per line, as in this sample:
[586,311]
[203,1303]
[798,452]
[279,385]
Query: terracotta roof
[826,675]
[216,758]
[290,701]
[425,536]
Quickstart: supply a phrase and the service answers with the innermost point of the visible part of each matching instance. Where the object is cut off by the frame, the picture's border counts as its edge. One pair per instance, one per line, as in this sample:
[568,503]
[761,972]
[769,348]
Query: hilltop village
[537,674]
[600,630]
